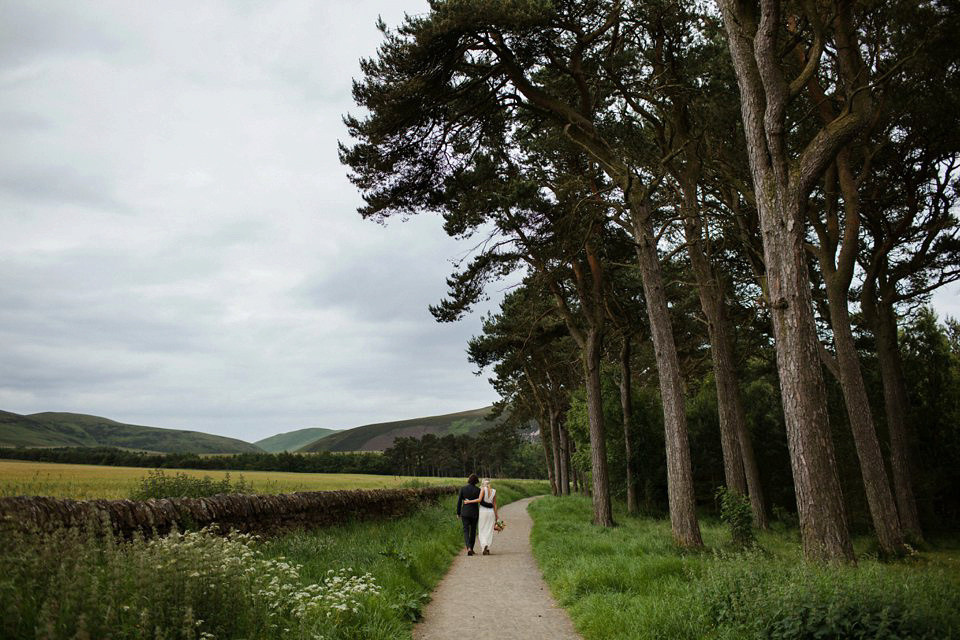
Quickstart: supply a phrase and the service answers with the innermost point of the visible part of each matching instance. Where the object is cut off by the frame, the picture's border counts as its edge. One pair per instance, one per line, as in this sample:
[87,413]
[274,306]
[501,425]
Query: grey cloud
[30,29]
[60,184]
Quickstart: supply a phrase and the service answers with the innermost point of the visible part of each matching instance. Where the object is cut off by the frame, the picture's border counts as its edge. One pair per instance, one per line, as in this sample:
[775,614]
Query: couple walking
[477,510]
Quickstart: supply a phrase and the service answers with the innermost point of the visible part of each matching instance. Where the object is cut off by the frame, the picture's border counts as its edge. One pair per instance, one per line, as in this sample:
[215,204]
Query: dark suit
[469,513]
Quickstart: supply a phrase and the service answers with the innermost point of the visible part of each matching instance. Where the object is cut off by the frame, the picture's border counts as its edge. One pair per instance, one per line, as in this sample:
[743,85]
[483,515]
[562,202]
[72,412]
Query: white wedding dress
[487,519]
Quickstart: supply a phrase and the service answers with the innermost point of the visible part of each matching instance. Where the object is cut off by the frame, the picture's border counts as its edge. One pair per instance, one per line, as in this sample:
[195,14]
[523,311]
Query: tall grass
[364,580]
[630,582]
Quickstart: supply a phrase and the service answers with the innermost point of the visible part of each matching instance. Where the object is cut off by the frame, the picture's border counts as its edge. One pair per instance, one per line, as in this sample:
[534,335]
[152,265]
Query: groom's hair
[473,479]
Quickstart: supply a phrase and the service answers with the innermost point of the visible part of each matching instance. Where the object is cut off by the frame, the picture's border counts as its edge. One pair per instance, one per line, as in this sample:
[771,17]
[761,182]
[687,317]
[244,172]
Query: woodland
[719,225]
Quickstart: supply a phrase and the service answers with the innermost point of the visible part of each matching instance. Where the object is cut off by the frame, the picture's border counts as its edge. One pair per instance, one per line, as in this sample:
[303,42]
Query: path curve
[501,596]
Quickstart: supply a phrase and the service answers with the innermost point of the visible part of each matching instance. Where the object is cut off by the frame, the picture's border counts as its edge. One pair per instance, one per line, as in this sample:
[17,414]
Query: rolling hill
[80,430]
[293,440]
[379,436]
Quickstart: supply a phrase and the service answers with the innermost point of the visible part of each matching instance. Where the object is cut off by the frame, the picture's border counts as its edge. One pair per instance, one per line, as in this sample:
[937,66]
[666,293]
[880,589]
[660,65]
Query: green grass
[630,582]
[363,580]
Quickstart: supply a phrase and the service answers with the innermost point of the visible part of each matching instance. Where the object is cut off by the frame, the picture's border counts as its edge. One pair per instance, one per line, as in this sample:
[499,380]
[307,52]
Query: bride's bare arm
[475,501]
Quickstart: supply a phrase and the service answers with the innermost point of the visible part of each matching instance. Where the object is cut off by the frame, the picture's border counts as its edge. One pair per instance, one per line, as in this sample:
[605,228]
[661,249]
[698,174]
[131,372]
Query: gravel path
[501,596]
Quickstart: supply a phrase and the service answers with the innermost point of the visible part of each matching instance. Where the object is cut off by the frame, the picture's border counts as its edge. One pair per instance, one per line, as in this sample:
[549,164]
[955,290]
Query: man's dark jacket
[468,492]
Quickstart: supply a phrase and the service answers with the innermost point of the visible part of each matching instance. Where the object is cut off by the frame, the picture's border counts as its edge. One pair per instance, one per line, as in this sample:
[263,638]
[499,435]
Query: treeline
[324,462]
[724,219]
[499,451]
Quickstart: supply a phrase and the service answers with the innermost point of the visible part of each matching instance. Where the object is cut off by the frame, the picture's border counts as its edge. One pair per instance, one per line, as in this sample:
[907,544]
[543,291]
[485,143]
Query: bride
[488,515]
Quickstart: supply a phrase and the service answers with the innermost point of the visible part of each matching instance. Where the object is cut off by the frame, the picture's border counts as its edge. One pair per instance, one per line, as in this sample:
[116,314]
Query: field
[87,482]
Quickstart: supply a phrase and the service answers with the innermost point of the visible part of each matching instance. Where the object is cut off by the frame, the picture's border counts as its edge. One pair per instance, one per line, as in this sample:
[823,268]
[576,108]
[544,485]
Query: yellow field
[86,482]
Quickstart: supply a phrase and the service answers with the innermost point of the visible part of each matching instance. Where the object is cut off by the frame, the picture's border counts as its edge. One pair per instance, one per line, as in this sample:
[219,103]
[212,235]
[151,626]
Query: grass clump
[631,582]
[157,484]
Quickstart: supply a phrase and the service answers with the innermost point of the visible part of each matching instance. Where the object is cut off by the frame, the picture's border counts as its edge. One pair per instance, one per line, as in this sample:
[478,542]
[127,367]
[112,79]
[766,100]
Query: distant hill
[79,430]
[380,436]
[293,440]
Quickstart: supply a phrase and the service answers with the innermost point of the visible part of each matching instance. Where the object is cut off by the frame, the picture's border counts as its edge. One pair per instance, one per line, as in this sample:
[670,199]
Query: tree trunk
[557,449]
[683,515]
[564,462]
[725,377]
[602,512]
[883,510]
[739,462]
[823,520]
[731,406]
[626,405]
[548,458]
[781,188]
[896,403]
[740,468]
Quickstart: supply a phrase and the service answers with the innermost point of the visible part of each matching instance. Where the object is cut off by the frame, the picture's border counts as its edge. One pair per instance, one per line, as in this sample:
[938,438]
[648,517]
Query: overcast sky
[179,244]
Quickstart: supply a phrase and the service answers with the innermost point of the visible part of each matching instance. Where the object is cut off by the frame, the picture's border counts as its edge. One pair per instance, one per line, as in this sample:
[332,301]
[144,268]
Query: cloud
[181,245]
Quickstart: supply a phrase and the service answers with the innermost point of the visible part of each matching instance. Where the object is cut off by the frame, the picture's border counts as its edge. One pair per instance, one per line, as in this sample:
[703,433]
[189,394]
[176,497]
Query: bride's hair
[486,482]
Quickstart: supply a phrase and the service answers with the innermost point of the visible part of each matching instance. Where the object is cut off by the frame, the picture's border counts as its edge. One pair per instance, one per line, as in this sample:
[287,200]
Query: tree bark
[781,187]
[823,519]
[602,511]
[546,457]
[896,404]
[711,304]
[837,270]
[683,516]
[589,284]
[565,462]
[544,418]
[557,450]
[883,510]
[626,405]
[739,462]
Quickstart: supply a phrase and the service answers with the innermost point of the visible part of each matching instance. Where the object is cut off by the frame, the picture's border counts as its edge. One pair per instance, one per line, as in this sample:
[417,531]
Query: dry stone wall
[262,514]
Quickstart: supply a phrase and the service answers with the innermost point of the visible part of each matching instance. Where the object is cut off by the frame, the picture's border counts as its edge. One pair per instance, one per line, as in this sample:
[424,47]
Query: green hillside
[377,437]
[79,430]
[293,440]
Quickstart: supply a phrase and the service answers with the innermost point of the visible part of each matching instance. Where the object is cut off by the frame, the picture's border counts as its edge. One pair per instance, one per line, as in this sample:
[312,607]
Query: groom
[469,514]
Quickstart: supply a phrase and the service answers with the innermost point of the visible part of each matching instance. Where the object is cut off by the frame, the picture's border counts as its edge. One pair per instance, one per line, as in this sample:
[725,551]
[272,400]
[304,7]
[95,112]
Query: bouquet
[499,525]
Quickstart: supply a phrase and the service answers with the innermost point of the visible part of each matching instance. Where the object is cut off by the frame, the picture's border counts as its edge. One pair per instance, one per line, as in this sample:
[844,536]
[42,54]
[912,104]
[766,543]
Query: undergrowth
[631,582]
[158,484]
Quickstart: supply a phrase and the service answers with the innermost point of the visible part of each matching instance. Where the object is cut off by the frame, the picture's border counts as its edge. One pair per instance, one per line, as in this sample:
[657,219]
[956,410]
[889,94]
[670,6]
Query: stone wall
[262,514]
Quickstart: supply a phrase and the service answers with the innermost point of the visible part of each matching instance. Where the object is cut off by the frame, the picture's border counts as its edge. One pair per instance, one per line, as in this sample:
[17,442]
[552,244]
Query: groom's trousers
[469,530]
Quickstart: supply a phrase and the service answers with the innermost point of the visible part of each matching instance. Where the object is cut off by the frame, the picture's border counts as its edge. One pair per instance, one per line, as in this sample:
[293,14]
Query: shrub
[157,484]
[736,512]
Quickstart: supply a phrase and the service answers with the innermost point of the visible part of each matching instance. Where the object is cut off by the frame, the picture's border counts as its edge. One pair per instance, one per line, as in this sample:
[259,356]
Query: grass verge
[630,582]
[364,580]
